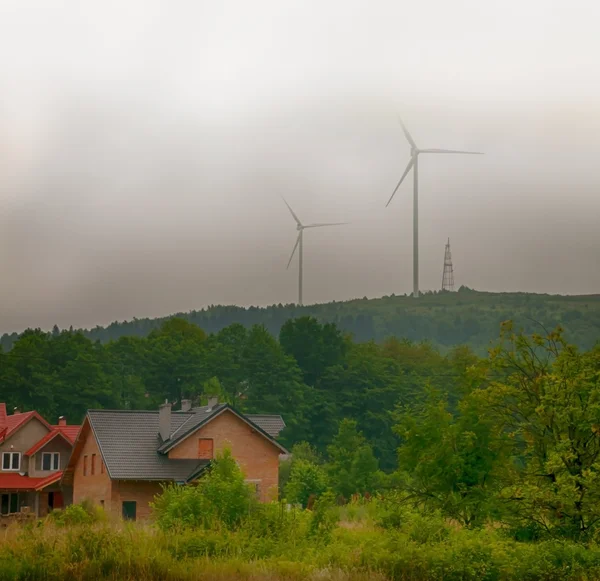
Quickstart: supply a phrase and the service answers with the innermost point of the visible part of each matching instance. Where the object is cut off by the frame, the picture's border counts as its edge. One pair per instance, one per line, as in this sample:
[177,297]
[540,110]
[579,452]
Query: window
[101,466]
[129,509]
[9,503]
[93,464]
[11,461]
[50,461]
[85,465]
[256,485]
[102,503]
[205,448]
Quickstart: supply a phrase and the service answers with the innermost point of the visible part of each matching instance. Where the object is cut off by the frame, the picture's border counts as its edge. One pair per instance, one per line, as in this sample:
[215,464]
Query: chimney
[62,421]
[164,420]
[212,402]
[186,405]
[15,410]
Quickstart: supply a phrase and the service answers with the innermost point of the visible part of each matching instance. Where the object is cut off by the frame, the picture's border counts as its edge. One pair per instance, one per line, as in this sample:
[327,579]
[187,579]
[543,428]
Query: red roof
[14,422]
[17,482]
[49,436]
[69,431]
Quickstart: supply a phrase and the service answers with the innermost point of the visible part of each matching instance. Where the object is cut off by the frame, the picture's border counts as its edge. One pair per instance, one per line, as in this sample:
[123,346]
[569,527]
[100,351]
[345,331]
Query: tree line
[513,436]
[445,319]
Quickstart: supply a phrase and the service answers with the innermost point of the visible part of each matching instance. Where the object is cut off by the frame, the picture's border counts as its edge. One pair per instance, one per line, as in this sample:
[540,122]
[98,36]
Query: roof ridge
[123,411]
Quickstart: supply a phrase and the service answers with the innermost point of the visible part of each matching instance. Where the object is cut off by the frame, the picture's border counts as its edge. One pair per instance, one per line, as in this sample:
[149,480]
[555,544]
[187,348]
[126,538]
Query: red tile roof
[17,482]
[50,436]
[14,422]
[2,414]
[69,431]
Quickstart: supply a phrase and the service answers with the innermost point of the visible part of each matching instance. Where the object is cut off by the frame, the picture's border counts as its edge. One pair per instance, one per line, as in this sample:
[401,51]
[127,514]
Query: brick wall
[94,487]
[142,492]
[257,457]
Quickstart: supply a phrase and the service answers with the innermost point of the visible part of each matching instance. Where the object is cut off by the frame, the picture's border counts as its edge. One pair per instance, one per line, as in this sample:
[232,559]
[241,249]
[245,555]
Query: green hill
[445,319]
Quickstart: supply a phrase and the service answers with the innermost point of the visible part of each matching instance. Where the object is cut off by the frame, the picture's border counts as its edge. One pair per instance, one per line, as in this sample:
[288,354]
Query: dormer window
[11,461]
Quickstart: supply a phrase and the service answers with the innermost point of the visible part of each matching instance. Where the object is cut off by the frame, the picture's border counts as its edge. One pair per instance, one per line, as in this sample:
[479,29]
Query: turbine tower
[299,244]
[414,163]
[448,275]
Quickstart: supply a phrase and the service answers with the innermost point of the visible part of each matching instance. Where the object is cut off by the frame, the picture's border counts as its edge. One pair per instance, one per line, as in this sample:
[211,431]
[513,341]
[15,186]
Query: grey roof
[270,424]
[195,417]
[129,443]
[204,414]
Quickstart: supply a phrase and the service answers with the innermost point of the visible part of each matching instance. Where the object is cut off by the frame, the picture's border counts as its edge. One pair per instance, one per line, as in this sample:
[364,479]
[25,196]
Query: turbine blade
[449,151]
[408,167]
[408,135]
[294,250]
[292,212]
[330,224]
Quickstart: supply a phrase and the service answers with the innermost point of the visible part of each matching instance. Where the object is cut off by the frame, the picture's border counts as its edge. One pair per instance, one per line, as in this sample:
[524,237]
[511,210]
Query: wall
[256,456]
[56,445]
[142,492]
[23,439]
[95,487]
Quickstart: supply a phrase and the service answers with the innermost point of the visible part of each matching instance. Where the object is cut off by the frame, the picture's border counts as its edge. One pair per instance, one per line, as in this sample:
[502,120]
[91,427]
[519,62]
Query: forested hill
[445,319]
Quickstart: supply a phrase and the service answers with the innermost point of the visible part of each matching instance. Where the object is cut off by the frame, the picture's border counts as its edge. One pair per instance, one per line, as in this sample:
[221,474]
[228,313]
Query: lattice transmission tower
[448,276]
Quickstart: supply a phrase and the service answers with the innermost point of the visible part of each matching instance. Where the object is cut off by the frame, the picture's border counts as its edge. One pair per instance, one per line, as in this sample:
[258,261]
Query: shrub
[221,499]
[306,480]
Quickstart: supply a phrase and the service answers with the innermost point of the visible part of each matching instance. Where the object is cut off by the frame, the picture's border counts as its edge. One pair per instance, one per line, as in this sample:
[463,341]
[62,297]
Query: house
[33,455]
[122,458]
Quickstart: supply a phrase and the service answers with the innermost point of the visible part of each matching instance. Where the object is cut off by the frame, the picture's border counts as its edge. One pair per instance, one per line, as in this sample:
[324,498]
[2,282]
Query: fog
[145,147]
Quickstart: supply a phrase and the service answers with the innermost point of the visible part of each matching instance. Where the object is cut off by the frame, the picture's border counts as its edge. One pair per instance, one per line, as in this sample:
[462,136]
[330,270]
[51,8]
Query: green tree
[274,383]
[548,401]
[306,480]
[352,466]
[175,361]
[313,345]
[451,462]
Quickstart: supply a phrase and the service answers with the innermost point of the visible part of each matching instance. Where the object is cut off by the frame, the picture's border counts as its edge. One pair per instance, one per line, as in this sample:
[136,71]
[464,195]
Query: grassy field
[349,544]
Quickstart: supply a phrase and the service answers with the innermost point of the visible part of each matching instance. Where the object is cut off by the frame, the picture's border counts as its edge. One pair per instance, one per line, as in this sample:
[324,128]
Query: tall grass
[354,543]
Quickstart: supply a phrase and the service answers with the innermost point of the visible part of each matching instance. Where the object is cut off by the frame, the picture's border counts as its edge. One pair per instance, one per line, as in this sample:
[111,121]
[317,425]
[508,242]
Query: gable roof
[16,421]
[69,431]
[129,440]
[273,425]
[48,438]
[204,415]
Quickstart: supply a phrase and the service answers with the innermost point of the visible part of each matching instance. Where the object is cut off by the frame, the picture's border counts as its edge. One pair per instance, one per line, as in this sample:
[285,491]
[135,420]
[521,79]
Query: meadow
[374,539]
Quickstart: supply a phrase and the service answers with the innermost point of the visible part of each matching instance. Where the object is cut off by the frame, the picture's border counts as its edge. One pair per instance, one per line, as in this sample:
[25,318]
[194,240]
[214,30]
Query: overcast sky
[144,147]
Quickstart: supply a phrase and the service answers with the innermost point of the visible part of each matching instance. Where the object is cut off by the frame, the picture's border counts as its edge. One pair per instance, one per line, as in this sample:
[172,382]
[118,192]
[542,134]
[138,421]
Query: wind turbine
[299,243]
[414,163]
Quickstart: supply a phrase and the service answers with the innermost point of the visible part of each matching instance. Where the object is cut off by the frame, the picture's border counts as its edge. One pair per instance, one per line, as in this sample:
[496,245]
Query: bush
[221,499]
[77,514]
[306,480]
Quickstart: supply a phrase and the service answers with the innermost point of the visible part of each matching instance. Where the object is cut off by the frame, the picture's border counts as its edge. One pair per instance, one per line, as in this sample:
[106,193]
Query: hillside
[445,319]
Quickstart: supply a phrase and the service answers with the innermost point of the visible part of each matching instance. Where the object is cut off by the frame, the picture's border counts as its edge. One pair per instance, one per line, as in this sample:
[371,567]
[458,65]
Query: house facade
[121,459]
[33,455]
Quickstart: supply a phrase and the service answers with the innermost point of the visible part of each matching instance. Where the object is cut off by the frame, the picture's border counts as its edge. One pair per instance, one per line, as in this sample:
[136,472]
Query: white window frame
[11,461]
[54,461]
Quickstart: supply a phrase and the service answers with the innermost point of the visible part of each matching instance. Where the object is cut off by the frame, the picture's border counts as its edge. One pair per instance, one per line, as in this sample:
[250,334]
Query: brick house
[121,458]
[33,455]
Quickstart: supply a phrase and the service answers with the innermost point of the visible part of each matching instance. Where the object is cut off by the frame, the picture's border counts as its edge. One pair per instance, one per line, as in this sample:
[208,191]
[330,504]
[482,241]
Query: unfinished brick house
[33,455]
[121,458]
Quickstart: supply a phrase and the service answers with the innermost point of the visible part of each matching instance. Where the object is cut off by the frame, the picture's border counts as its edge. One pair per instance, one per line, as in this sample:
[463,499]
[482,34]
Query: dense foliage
[358,542]
[314,376]
[511,438]
[466,317]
